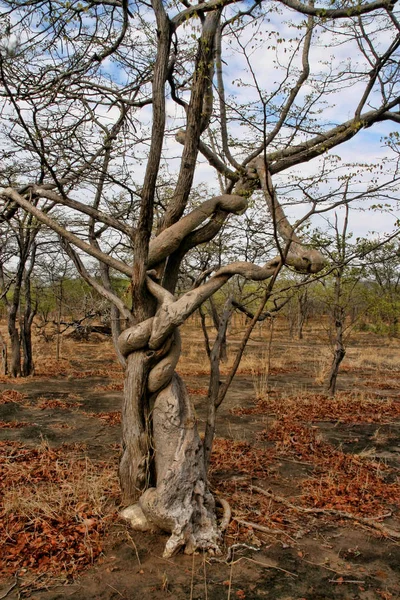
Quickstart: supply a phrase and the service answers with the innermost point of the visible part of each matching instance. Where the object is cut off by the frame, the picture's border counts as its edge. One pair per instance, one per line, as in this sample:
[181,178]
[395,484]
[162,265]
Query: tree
[19,241]
[382,266]
[78,80]
[345,281]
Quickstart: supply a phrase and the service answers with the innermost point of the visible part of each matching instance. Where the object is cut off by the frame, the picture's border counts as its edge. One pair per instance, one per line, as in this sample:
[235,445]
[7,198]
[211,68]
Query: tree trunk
[116,332]
[303,313]
[59,315]
[3,356]
[26,340]
[26,326]
[337,359]
[162,468]
[134,469]
[215,383]
[393,327]
[15,366]
[181,503]
[216,321]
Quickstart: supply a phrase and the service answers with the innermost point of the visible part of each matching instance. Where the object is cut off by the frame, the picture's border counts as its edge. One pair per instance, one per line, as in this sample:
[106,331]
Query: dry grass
[321,364]
[56,508]
[376,358]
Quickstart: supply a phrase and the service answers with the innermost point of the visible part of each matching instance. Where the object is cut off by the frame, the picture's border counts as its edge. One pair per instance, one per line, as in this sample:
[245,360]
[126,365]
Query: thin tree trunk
[15,366]
[203,322]
[116,332]
[337,359]
[29,314]
[217,321]
[303,306]
[339,311]
[3,356]
[59,314]
[269,355]
[215,383]
[26,341]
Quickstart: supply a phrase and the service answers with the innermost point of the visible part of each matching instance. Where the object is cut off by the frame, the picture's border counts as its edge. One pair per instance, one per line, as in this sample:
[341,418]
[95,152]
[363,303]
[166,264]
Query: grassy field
[313,482]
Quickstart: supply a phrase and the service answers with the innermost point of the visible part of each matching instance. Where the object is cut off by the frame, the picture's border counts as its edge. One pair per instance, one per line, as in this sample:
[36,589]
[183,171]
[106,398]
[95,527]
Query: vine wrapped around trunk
[162,466]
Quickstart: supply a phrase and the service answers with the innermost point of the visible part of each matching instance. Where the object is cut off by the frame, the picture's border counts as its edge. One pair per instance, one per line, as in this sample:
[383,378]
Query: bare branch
[169,239]
[123,309]
[338,13]
[145,222]
[83,208]
[200,100]
[64,233]
[201,7]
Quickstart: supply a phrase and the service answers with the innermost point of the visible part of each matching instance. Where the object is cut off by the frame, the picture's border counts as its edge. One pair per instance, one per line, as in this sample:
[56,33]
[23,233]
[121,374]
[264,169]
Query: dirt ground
[313,482]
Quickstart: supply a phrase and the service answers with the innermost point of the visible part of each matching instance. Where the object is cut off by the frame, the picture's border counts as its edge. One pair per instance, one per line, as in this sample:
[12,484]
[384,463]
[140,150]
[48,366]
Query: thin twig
[230,577]
[369,522]
[346,581]
[192,579]
[115,590]
[134,547]
[323,566]
[262,528]
[9,590]
[257,562]
[205,577]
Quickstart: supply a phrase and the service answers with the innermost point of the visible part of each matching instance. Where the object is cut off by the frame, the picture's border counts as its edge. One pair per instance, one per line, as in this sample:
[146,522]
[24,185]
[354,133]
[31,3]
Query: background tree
[18,254]
[382,267]
[77,81]
[345,280]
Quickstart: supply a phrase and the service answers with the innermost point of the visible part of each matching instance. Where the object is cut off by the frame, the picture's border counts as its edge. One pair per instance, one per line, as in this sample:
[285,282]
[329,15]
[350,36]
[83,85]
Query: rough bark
[339,355]
[162,467]
[216,355]
[29,313]
[3,356]
[134,469]
[181,503]
[15,359]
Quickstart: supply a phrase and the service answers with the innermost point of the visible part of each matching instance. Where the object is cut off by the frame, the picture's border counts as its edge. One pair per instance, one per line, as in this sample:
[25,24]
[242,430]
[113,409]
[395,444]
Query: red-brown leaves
[55,508]
[11,396]
[240,458]
[344,408]
[13,424]
[341,481]
[111,418]
[51,403]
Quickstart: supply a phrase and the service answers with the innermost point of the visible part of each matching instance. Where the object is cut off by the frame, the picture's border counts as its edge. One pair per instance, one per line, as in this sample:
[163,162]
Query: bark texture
[162,467]
[181,503]
[3,356]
